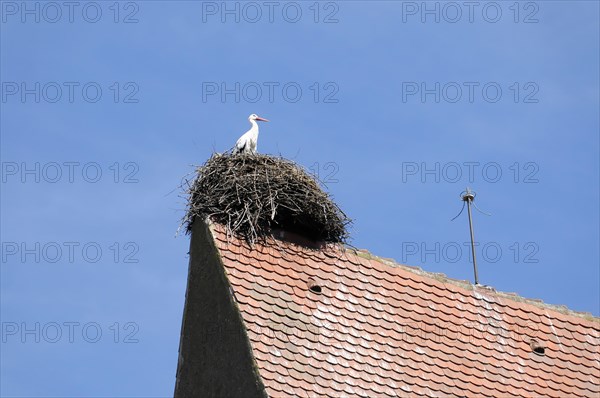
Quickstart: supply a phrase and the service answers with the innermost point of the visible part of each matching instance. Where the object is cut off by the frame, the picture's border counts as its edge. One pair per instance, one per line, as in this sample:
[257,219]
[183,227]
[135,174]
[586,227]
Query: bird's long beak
[261,119]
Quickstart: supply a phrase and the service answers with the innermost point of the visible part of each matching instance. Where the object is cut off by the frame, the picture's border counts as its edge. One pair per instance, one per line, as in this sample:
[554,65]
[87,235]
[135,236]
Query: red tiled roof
[379,329]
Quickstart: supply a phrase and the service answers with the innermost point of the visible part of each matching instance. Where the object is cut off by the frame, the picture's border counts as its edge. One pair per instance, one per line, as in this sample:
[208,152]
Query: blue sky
[397,107]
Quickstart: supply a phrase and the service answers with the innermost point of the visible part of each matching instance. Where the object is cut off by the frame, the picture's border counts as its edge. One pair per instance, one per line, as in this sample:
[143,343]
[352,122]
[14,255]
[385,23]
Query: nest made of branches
[251,194]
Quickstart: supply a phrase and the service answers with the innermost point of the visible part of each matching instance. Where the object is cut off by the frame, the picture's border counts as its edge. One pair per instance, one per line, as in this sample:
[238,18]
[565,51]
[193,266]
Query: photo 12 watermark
[451,12]
[69,332]
[469,332]
[291,331]
[470,92]
[252,12]
[69,252]
[460,172]
[69,172]
[89,92]
[52,12]
[325,172]
[453,252]
[270,92]
[406,331]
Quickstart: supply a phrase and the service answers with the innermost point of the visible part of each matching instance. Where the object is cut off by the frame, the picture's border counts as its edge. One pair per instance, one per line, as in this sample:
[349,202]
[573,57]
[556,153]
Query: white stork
[247,142]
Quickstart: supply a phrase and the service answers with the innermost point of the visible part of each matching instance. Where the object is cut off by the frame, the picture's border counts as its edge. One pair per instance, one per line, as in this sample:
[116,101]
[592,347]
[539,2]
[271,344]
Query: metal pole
[468,197]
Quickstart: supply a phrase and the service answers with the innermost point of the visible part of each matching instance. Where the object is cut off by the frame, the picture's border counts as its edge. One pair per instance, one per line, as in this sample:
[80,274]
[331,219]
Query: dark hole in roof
[539,350]
[537,347]
[314,286]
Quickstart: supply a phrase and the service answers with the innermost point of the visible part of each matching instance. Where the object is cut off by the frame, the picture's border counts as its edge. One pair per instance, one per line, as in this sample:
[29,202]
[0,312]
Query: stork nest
[251,194]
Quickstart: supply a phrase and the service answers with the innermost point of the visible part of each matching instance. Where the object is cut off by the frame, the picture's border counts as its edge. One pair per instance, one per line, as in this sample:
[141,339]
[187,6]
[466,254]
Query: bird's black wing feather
[238,149]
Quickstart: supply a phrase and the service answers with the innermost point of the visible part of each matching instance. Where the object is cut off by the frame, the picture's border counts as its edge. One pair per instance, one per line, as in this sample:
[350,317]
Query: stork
[247,142]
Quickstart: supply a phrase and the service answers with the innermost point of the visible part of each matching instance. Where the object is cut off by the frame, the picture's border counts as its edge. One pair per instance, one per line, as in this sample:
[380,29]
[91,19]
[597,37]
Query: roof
[380,329]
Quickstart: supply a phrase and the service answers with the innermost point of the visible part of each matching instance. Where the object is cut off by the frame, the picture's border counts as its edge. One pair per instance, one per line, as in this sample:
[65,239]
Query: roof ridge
[467,285]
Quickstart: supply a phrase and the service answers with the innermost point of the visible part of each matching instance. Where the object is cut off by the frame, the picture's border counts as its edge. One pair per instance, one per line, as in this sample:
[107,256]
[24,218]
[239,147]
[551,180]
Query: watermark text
[453,252]
[270,92]
[270,12]
[69,172]
[470,171]
[469,12]
[69,92]
[470,92]
[69,252]
[69,332]
[69,12]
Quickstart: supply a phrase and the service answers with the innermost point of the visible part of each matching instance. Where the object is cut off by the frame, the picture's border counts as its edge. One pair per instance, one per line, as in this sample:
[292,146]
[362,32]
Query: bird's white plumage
[248,142]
